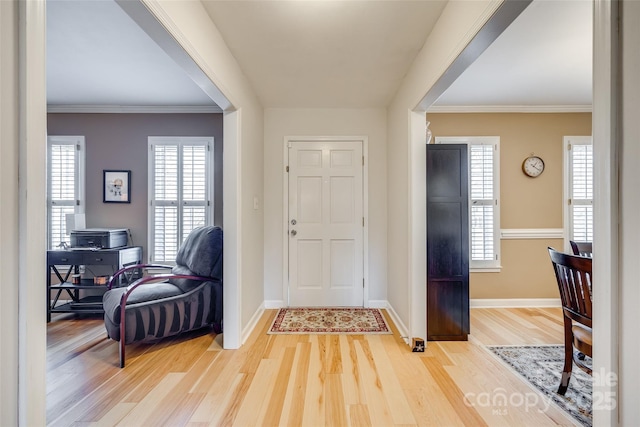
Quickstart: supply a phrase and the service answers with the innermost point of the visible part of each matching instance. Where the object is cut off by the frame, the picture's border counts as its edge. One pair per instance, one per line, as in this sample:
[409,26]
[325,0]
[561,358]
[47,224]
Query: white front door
[325,224]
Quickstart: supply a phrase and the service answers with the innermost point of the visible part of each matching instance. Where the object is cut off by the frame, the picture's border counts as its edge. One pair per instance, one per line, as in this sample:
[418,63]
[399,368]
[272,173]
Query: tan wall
[525,202]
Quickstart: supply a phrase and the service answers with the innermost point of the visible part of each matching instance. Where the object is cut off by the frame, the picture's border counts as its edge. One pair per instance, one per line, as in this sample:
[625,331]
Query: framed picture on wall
[116,186]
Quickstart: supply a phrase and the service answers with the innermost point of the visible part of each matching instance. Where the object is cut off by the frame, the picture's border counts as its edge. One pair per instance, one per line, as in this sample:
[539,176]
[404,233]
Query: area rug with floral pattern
[541,366]
[332,320]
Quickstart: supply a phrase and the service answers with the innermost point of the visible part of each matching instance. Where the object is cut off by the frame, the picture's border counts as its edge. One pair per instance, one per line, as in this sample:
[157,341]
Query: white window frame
[79,201]
[209,178]
[568,199]
[483,266]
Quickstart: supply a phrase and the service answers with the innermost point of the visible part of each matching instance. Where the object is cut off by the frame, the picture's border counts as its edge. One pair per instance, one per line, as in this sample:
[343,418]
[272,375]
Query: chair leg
[122,338]
[568,357]
[121,352]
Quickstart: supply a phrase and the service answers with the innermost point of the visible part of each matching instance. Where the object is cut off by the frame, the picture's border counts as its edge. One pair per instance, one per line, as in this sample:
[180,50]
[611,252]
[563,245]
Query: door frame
[285,208]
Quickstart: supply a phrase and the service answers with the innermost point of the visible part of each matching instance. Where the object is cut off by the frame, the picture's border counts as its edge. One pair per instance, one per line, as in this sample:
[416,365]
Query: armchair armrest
[113,278]
[139,282]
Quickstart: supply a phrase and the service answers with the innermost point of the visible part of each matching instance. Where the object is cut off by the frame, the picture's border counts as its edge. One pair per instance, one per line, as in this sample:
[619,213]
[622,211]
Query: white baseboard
[274,303]
[246,332]
[514,302]
[402,328]
[378,303]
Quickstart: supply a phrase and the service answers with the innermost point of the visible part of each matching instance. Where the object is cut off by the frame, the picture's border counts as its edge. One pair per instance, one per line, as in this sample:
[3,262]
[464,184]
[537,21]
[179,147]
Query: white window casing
[65,185]
[484,200]
[180,192]
[578,189]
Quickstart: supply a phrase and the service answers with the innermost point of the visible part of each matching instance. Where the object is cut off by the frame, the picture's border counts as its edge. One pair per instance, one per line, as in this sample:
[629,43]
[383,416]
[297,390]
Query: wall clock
[533,166]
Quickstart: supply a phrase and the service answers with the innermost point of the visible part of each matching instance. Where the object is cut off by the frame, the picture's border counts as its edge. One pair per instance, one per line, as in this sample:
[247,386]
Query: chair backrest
[200,254]
[581,248]
[573,274]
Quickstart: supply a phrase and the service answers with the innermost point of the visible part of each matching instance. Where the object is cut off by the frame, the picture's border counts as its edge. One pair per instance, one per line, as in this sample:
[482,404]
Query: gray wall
[119,141]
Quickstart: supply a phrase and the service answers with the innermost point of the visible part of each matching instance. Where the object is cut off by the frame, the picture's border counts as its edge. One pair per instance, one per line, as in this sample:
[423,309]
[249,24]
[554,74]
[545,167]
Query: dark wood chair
[573,274]
[581,248]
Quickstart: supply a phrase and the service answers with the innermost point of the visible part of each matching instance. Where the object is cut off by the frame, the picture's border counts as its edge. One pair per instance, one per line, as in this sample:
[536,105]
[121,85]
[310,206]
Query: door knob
[293,232]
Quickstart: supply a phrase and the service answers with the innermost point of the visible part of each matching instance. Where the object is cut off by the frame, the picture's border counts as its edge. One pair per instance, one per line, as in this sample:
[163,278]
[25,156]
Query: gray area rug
[541,366]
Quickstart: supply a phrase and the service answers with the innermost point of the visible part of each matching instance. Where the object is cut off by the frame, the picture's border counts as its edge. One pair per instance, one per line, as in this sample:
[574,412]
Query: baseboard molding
[402,328]
[378,303]
[514,302]
[246,332]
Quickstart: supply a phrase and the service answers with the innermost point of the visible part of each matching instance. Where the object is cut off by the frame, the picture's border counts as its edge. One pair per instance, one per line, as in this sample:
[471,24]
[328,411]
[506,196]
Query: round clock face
[533,166]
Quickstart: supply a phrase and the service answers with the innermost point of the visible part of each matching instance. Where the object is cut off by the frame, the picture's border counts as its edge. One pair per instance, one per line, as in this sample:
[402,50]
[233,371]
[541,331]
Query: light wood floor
[294,380]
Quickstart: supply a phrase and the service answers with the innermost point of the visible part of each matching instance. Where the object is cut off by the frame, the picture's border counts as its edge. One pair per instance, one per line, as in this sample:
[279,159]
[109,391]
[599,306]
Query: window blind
[581,187]
[64,175]
[481,165]
[180,191]
[193,187]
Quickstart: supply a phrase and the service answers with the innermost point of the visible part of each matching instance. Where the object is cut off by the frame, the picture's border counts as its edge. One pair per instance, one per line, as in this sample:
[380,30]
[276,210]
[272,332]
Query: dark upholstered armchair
[188,298]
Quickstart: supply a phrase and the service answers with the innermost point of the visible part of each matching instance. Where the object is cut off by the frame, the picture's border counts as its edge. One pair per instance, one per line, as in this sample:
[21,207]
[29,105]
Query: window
[65,185]
[180,192]
[578,188]
[484,191]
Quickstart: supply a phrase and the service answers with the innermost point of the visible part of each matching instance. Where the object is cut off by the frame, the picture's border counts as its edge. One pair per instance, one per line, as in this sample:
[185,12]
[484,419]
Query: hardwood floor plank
[293,405]
[334,357]
[115,414]
[232,408]
[391,388]
[351,380]
[453,394]
[151,403]
[359,416]
[262,347]
[181,413]
[314,402]
[254,403]
[276,399]
[335,409]
[376,402]
[219,410]
[293,380]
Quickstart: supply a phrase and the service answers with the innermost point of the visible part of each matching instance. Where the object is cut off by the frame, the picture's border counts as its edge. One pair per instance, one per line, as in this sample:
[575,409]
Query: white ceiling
[543,59]
[317,53]
[325,53]
[97,56]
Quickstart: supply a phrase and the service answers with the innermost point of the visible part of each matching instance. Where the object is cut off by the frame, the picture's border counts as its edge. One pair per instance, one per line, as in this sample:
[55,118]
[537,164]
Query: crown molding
[510,109]
[131,109]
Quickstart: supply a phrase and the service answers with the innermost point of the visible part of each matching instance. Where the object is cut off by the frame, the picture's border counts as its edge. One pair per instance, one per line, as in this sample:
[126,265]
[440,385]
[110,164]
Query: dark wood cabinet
[447,242]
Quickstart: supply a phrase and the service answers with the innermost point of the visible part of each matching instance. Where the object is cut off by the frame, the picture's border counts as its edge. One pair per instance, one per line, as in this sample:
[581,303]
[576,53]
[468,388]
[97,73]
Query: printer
[99,238]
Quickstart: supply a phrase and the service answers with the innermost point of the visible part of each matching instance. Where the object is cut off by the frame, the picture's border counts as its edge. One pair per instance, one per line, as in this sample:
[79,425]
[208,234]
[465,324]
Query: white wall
[629,231]
[458,24]
[191,26]
[279,123]
[9,214]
